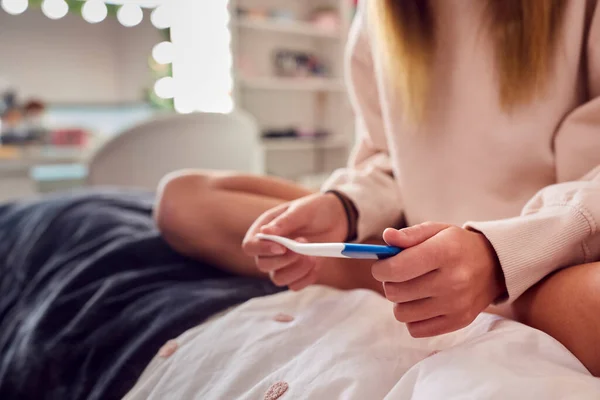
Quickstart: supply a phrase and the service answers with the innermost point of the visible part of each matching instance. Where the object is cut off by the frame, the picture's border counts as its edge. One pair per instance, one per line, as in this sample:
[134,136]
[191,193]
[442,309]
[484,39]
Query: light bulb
[94,11]
[14,7]
[183,108]
[165,87]
[161,17]
[55,9]
[130,15]
[164,53]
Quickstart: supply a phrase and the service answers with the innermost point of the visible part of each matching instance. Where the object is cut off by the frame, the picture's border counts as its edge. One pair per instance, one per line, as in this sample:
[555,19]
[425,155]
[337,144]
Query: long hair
[524,34]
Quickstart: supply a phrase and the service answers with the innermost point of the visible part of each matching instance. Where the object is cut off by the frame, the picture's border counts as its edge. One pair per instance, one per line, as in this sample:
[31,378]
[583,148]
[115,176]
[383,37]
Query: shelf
[289,27]
[289,144]
[294,84]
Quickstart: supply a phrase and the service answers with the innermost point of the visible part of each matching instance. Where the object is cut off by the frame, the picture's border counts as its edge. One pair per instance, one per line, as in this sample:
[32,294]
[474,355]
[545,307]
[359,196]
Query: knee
[173,193]
[575,288]
[183,199]
[566,306]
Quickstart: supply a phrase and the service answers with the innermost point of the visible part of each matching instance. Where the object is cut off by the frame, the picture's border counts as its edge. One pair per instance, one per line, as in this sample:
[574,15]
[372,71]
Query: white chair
[142,155]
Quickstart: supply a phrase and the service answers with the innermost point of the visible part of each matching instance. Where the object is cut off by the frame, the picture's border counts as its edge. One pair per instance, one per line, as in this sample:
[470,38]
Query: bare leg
[566,305]
[206,215]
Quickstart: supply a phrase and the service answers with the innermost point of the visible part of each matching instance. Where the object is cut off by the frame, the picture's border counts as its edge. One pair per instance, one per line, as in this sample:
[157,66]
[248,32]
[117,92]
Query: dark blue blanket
[89,292]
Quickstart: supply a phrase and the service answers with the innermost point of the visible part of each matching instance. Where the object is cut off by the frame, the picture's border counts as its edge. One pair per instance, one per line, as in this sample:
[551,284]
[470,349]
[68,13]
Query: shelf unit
[306,103]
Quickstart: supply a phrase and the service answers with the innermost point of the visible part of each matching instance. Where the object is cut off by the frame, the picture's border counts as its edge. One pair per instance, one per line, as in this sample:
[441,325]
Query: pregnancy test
[335,250]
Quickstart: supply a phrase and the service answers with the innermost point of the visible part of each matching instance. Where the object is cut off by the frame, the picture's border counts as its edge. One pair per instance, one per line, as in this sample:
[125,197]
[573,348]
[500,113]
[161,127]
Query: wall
[134,49]
[72,61]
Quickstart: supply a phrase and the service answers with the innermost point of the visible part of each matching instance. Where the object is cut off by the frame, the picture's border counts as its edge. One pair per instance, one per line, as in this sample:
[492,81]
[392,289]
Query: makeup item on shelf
[13,130]
[296,64]
[280,133]
[256,13]
[305,134]
[326,19]
[69,137]
[312,134]
[279,15]
[34,120]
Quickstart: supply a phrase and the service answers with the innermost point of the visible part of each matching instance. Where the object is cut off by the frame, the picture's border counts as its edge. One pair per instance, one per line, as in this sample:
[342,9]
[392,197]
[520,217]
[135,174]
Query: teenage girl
[478,152]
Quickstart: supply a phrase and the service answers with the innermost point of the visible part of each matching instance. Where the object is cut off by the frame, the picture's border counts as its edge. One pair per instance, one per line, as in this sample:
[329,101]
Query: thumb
[414,235]
[286,223]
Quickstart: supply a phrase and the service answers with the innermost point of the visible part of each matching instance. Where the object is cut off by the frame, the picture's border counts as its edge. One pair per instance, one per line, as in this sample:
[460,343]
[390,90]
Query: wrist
[348,212]
[498,287]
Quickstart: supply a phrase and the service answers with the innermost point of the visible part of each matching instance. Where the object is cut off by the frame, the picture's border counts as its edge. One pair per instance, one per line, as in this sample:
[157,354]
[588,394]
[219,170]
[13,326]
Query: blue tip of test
[368,250]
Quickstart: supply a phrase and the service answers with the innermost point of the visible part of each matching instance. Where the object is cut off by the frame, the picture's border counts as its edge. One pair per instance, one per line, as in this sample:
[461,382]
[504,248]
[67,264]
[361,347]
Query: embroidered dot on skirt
[276,391]
[281,317]
[168,349]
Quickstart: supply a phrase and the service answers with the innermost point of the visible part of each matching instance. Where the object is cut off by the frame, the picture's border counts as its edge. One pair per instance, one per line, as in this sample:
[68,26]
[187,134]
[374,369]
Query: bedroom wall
[72,61]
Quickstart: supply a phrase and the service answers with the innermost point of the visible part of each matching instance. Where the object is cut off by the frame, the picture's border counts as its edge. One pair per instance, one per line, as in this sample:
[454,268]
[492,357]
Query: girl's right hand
[315,218]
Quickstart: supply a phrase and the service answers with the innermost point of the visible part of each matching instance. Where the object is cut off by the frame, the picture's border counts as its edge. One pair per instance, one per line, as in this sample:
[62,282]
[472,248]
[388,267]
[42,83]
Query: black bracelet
[351,214]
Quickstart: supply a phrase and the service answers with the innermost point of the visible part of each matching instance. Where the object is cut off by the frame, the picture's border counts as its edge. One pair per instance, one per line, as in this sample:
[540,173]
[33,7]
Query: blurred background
[119,92]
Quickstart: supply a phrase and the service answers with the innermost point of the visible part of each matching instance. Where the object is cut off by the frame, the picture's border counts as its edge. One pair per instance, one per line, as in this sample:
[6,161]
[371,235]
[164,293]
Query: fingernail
[278,250]
[269,228]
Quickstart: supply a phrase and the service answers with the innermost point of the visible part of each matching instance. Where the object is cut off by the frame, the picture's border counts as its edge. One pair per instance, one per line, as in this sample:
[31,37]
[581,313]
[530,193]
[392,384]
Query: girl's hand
[442,280]
[314,218]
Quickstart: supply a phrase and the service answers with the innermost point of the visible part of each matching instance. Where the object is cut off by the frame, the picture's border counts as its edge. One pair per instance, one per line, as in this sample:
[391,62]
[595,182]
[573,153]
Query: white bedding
[347,345]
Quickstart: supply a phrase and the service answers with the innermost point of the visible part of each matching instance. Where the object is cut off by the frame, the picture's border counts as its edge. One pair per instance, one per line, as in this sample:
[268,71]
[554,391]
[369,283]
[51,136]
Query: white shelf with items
[308,103]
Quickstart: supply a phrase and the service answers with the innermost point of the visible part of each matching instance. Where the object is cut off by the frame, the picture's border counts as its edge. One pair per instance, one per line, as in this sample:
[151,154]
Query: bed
[347,345]
[95,305]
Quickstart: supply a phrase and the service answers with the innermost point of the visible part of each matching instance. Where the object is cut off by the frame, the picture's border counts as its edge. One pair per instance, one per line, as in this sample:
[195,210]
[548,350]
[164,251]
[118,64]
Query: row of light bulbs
[129,15]
[93,11]
[164,53]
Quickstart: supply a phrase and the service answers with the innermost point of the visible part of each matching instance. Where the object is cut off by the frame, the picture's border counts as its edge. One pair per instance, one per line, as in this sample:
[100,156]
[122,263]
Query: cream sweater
[531,178]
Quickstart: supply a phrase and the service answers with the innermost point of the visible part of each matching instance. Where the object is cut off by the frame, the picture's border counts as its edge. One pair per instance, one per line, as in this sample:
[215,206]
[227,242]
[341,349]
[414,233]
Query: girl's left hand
[442,280]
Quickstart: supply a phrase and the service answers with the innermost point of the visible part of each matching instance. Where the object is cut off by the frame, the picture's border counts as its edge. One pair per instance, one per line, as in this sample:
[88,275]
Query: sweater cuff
[532,246]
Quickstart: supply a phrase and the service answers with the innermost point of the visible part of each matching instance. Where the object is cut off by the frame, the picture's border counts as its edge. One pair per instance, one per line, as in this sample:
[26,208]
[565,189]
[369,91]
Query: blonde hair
[523,32]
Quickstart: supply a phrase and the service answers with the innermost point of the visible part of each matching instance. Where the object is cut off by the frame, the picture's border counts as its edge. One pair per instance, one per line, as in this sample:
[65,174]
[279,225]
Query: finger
[292,273]
[262,248]
[288,222]
[419,288]
[418,310]
[305,281]
[270,263]
[254,246]
[410,263]
[437,326]
[414,235]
